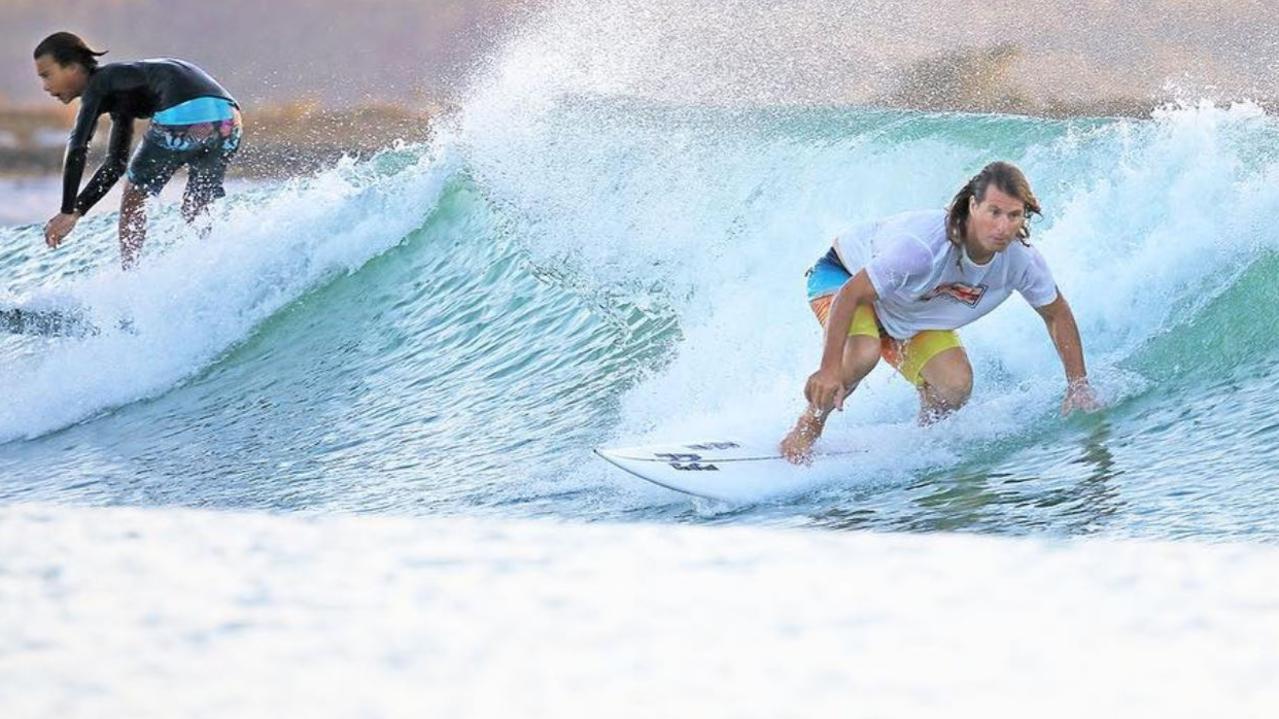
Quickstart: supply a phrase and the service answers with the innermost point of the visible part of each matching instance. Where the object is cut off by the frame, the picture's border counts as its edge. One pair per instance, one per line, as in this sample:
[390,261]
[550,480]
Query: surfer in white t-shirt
[898,289]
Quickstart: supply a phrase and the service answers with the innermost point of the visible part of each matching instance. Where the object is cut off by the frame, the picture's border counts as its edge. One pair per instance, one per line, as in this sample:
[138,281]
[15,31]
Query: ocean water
[426,346]
[451,329]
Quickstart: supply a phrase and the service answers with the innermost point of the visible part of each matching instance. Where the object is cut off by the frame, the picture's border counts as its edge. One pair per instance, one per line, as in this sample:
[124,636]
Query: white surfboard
[726,470]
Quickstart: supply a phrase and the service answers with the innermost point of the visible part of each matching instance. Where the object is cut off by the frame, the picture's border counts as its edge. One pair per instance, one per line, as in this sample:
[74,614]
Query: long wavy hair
[1010,180]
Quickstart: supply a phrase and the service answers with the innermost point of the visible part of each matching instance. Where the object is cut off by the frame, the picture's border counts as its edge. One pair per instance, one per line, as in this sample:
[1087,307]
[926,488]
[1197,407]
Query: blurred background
[317,79]
[324,78]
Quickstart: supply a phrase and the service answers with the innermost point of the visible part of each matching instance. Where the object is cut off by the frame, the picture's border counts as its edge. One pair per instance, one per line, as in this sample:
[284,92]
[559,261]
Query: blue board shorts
[827,276]
[206,148]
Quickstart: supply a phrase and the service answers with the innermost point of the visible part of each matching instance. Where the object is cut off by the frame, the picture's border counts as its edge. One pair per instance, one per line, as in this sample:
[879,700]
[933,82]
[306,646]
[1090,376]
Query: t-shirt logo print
[968,294]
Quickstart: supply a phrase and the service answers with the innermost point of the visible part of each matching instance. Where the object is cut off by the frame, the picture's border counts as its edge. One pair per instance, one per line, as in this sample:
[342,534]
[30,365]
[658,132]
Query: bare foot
[797,447]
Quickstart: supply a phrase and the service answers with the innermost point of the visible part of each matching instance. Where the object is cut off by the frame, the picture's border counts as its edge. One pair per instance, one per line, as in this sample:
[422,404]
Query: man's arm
[1065,336]
[112,168]
[825,388]
[856,291]
[110,80]
[78,148]
[117,159]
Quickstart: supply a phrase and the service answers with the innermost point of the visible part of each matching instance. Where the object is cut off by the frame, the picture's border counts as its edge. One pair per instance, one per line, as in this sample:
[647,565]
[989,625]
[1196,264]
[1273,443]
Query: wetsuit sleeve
[905,260]
[112,168]
[1036,283]
[78,147]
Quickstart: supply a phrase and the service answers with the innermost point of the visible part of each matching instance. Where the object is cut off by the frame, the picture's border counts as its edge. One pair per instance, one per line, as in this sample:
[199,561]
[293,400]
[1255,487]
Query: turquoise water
[451,329]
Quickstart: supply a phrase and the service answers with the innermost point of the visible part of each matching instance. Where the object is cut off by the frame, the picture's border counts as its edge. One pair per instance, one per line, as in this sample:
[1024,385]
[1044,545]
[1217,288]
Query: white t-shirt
[925,282]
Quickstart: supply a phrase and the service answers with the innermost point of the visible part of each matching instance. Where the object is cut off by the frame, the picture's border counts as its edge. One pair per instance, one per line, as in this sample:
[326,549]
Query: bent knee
[950,396]
[861,354]
[948,379]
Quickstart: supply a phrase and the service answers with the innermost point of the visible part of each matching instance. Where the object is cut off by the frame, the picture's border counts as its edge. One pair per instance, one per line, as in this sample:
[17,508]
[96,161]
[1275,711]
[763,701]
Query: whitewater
[334,454]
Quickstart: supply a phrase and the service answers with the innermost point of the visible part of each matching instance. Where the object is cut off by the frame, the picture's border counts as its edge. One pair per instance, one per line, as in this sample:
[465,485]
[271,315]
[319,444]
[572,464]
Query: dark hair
[67,48]
[1009,180]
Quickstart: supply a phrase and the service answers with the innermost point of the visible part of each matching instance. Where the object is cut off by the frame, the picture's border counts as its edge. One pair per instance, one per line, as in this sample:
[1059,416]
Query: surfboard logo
[686,462]
[958,291]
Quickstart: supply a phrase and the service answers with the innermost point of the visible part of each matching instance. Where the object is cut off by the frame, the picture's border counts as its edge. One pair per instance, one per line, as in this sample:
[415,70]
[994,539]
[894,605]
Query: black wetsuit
[127,91]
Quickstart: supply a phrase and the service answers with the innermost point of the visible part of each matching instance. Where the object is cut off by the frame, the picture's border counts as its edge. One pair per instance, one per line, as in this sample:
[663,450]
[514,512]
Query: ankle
[810,426]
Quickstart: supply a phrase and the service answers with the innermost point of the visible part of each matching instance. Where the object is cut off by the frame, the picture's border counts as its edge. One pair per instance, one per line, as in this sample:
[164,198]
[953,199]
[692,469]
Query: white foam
[126,612]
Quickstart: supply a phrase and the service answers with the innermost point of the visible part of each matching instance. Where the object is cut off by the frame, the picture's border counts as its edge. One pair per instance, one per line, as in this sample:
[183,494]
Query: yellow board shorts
[908,356]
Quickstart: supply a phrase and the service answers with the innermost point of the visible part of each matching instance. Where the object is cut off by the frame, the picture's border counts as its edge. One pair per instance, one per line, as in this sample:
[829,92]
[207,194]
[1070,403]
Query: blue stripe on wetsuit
[191,112]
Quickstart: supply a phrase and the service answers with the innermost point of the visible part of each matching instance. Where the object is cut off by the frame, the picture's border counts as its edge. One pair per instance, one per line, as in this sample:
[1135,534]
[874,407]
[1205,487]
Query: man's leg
[152,165]
[861,352]
[947,385]
[133,224]
[201,190]
[204,185]
[206,171]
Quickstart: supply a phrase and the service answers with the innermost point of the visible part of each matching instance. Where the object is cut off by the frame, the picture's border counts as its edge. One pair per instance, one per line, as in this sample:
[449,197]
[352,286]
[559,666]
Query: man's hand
[59,227]
[825,390]
[1079,396]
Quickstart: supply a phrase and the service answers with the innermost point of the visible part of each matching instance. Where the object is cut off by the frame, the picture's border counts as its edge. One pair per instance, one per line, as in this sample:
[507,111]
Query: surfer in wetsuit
[897,289]
[194,122]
